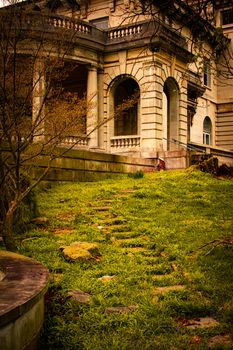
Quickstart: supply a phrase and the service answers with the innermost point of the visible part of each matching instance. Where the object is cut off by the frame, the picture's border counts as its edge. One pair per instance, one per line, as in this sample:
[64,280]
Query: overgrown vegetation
[149,230]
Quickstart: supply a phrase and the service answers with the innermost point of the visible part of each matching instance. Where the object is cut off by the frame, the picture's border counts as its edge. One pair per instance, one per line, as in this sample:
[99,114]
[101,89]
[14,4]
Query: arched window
[127,123]
[207,130]
[170,114]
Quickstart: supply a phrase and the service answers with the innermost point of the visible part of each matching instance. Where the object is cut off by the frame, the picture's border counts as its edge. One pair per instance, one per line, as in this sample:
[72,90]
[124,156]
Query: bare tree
[37,111]
[206,41]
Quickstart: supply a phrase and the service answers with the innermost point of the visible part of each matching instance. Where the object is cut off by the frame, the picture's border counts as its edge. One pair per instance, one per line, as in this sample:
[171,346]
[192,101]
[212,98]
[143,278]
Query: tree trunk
[7,228]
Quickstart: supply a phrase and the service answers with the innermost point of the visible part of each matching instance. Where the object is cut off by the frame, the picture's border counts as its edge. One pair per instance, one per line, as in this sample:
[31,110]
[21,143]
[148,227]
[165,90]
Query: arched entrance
[127,122]
[170,114]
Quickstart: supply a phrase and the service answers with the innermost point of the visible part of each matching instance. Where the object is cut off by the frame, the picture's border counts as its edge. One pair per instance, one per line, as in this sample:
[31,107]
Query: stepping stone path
[81,251]
[121,235]
[79,296]
[121,309]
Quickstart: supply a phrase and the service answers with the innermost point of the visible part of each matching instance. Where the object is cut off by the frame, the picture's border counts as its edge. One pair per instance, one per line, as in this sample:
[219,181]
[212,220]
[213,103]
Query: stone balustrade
[141,33]
[75,140]
[125,141]
[120,32]
[66,23]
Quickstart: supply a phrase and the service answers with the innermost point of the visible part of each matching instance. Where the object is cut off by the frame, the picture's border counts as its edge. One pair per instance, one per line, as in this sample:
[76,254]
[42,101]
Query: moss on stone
[81,251]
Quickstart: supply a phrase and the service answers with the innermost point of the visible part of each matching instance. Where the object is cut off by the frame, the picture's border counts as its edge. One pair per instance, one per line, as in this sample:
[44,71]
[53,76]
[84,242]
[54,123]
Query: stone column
[92,108]
[38,93]
[101,141]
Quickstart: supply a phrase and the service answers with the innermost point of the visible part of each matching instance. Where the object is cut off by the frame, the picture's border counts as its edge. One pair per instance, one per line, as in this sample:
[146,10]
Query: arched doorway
[170,114]
[127,122]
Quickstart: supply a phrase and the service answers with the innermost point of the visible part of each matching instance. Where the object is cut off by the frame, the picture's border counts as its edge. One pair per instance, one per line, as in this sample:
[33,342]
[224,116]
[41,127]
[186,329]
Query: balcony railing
[125,31]
[67,23]
[143,33]
[125,141]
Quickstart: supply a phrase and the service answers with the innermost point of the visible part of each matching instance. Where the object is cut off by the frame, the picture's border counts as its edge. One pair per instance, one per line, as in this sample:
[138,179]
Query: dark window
[206,74]
[101,23]
[227,17]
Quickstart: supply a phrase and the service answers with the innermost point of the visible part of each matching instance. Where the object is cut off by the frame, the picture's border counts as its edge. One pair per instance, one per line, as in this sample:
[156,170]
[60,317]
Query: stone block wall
[78,165]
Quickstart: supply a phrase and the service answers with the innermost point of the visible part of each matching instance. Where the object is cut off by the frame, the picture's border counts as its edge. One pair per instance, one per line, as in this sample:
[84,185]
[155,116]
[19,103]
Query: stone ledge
[21,300]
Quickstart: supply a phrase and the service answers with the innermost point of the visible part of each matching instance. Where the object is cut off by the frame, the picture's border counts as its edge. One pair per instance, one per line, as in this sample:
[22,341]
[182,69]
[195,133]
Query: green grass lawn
[149,231]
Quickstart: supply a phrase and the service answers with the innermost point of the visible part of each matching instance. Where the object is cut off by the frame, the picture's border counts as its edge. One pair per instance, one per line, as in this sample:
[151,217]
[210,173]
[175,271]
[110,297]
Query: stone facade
[118,52]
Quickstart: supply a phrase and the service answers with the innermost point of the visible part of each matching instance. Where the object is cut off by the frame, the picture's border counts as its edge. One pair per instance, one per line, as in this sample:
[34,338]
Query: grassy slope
[148,237]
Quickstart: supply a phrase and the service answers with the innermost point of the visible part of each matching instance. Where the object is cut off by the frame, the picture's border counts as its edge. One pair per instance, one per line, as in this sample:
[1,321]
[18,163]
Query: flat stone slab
[104,208]
[81,251]
[129,190]
[121,309]
[63,231]
[224,341]
[106,279]
[79,296]
[128,243]
[202,322]
[40,221]
[134,250]
[163,290]
[66,216]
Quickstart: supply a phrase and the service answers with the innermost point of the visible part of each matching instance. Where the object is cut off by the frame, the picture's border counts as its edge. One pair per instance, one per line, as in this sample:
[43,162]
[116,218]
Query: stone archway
[170,114]
[127,123]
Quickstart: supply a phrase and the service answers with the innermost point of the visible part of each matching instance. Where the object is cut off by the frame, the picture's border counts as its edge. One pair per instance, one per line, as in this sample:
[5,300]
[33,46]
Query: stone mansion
[119,47]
